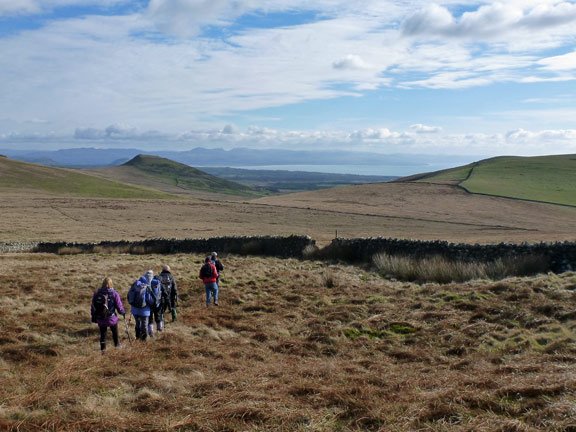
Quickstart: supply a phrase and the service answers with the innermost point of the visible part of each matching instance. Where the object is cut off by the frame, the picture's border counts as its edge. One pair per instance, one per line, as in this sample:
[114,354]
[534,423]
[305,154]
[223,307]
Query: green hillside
[179,175]
[24,175]
[549,179]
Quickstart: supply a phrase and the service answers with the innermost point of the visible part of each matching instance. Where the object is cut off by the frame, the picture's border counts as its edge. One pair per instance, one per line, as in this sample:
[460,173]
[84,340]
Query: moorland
[294,346]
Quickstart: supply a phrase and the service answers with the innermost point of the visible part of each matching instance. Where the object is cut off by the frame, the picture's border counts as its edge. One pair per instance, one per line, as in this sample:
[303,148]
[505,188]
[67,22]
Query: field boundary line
[465,189]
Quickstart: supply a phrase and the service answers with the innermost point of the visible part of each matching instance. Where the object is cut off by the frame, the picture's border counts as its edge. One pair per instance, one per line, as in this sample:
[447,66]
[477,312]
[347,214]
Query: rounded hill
[172,177]
[17,175]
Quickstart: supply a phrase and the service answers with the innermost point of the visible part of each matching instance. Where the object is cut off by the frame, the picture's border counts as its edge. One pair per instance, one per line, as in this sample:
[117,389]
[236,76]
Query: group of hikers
[150,297]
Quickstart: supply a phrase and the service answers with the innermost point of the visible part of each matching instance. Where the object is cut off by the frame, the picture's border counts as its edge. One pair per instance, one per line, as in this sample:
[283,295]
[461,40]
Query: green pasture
[20,175]
[450,175]
[545,178]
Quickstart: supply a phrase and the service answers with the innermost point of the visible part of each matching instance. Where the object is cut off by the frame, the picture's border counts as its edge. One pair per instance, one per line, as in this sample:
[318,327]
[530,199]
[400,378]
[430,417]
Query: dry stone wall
[285,247]
[17,247]
[561,255]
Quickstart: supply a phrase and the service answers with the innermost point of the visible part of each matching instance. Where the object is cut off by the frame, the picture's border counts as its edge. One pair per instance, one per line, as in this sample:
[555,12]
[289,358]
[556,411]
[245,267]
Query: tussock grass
[442,270]
[295,354]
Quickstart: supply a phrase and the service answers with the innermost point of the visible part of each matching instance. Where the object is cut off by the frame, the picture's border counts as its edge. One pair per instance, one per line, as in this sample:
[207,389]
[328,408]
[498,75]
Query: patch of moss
[449,297]
[402,328]
[352,333]
[376,299]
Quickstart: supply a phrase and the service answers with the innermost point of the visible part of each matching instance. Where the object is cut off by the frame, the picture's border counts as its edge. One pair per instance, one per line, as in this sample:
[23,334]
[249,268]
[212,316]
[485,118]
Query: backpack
[207,270]
[104,305]
[137,295]
[166,282]
[155,291]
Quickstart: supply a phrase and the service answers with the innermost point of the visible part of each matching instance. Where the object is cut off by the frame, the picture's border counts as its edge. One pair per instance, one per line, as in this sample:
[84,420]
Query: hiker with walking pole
[209,276]
[105,307]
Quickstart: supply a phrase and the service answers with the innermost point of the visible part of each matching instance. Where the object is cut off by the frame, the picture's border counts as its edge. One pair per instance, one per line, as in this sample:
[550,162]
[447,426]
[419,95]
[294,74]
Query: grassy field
[448,176]
[548,178]
[24,176]
[294,346]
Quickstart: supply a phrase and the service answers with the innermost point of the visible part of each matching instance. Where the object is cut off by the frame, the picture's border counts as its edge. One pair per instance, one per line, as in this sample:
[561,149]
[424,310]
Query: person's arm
[119,305]
[92,317]
[174,290]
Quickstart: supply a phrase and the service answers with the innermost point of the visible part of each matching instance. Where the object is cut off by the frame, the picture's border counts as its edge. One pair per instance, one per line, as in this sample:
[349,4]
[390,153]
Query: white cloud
[489,21]
[19,7]
[521,136]
[185,18]
[371,134]
[423,129]
[351,61]
[559,63]
[8,7]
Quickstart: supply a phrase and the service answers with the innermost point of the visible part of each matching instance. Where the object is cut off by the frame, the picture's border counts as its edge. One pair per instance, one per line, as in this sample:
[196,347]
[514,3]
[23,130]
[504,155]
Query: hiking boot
[215,303]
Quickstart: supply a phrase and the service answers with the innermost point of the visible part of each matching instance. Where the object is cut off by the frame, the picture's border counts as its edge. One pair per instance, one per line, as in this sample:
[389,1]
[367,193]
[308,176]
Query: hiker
[169,292]
[209,276]
[217,264]
[155,307]
[149,275]
[139,299]
[106,303]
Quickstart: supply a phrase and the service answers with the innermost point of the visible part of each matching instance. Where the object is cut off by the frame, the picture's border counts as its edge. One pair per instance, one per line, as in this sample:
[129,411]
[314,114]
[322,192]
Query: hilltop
[547,179]
[24,176]
[172,177]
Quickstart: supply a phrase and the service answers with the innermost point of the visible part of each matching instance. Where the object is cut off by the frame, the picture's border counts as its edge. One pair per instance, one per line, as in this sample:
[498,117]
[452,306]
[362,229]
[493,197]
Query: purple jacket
[113,320]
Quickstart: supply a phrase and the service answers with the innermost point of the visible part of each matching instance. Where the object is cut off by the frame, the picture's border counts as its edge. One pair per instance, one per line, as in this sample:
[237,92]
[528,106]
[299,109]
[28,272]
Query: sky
[454,77]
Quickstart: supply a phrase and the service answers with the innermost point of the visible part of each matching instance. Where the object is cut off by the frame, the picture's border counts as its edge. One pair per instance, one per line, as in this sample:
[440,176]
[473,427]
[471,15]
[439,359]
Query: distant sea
[379,170]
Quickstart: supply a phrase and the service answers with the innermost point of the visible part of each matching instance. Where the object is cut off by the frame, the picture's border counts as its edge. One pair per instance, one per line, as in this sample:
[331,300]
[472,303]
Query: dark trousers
[104,334]
[156,314]
[141,327]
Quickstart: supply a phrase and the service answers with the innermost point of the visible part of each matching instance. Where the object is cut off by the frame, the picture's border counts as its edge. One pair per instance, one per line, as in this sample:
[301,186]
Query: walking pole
[127,331]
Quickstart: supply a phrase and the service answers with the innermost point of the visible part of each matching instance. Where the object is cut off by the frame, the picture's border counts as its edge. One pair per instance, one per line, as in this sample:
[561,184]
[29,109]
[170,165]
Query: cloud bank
[387,71]
[419,139]
[489,21]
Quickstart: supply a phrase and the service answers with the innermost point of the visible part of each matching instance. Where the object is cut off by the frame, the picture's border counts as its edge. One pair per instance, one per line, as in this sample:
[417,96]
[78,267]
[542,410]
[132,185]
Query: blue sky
[390,76]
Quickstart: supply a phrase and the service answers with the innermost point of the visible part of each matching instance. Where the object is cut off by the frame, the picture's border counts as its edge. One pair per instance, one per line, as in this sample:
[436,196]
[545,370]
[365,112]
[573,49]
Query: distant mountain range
[238,157]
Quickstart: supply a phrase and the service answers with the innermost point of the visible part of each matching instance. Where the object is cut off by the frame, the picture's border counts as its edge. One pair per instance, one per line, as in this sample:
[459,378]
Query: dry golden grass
[294,346]
[443,270]
[419,211]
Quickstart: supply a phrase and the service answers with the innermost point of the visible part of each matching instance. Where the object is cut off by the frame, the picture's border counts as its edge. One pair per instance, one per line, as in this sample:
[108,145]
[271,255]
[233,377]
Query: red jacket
[210,279]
